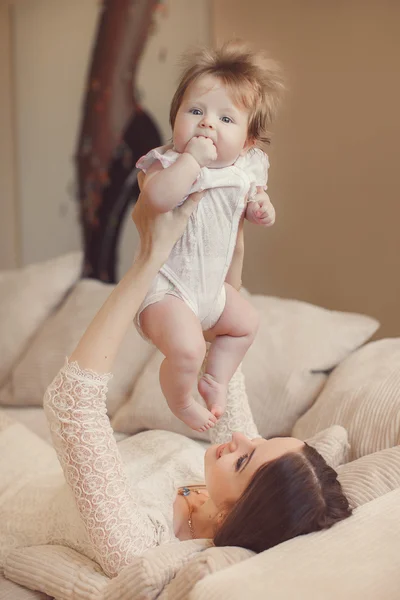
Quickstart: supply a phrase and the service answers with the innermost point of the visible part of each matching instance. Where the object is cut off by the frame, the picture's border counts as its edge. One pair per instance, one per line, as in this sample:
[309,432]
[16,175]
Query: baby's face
[208,110]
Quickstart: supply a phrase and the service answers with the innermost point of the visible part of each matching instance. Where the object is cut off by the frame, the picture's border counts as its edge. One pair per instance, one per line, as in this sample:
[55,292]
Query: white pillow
[285,368]
[27,296]
[362,395]
[59,336]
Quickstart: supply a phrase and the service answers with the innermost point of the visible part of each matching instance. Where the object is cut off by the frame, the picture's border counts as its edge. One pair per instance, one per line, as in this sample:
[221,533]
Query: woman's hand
[159,231]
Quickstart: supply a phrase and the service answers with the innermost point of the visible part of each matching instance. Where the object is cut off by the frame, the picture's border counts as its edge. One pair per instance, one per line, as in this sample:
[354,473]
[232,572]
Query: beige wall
[8,219]
[51,43]
[335,158]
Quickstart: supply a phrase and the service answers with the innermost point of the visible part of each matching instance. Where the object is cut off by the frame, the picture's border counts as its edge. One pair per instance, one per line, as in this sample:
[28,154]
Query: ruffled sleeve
[164,154]
[117,524]
[256,167]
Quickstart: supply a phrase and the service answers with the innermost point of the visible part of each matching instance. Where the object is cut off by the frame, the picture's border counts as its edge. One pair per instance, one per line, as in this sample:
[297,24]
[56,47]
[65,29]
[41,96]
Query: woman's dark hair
[294,494]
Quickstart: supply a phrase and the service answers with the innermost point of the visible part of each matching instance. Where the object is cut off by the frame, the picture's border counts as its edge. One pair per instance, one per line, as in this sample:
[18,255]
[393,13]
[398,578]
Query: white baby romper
[198,264]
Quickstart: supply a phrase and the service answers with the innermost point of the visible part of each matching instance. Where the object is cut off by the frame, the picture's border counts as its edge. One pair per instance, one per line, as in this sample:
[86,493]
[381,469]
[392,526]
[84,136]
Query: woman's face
[230,467]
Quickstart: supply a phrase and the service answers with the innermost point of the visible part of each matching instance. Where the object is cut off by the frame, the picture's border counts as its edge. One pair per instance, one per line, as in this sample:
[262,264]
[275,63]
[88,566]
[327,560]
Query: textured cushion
[362,395]
[371,476]
[11,591]
[59,336]
[332,443]
[27,296]
[357,559]
[284,368]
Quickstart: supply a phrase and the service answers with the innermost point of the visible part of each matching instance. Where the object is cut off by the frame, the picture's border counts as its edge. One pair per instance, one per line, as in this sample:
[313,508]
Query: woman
[257,492]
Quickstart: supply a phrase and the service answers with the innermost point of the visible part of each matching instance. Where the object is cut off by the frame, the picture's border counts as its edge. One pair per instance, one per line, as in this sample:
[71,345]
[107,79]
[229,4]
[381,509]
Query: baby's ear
[250,143]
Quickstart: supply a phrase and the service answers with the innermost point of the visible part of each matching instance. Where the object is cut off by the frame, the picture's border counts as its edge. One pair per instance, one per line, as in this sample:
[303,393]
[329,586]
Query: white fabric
[199,261]
[362,395]
[161,287]
[285,368]
[27,296]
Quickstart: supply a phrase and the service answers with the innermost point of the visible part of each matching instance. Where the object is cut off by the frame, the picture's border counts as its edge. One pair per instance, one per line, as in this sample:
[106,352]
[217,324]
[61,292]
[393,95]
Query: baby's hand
[202,149]
[261,211]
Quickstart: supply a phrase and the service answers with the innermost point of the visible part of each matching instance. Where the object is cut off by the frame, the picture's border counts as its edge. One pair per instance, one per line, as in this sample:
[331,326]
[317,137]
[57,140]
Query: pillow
[357,559]
[285,369]
[332,443]
[68,575]
[58,338]
[362,395]
[371,476]
[27,296]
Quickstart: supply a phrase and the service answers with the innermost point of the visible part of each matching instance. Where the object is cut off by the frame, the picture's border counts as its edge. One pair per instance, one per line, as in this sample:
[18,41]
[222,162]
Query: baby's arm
[165,188]
[260,210]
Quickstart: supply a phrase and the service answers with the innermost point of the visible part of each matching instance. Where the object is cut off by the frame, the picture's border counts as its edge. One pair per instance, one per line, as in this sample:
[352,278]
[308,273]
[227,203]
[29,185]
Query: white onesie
[198,264]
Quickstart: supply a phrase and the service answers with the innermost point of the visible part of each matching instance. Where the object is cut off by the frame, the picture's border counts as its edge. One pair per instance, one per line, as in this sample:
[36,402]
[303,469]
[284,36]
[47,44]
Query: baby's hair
[254,80]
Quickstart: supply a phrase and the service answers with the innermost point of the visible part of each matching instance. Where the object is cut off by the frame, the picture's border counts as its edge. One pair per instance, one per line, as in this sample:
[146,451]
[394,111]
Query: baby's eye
[239,461]
[226,120]
[195,111]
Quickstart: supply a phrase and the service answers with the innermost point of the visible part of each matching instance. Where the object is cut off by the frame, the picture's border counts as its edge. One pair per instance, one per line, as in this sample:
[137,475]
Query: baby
[220,116]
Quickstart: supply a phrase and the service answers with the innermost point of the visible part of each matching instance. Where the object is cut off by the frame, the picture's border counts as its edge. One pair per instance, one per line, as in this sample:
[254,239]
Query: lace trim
[73,368]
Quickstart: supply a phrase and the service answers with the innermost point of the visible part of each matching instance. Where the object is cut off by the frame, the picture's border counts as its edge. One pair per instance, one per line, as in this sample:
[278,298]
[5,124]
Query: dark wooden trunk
[114,132]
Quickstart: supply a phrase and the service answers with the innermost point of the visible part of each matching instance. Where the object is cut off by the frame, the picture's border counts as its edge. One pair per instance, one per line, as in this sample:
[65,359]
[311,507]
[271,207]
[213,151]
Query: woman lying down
[243,491]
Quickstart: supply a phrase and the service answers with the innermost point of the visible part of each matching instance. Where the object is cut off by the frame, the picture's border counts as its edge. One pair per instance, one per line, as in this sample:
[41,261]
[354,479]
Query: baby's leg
[176,331]
[231,337]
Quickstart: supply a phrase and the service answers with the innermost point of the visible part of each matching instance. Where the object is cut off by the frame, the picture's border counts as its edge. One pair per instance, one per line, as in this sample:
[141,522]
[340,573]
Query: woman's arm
[117,525]
[237,415]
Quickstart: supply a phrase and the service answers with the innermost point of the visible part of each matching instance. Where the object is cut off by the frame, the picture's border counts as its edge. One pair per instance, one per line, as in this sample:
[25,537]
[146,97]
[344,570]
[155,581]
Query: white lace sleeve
[117,525]
[237,416]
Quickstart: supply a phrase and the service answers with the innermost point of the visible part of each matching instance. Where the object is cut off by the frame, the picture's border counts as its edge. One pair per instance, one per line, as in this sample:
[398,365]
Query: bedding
[362,395]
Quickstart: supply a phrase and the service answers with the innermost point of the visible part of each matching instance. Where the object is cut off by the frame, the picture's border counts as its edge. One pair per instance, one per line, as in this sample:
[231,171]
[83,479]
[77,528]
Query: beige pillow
[59,336]
[332,443]
[285,368]
[370,476]
[362,395]
[27,296]
[357,559]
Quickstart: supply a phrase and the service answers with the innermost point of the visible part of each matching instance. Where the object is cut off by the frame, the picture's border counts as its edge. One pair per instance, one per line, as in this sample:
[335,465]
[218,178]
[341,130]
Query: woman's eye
[195,111]
[226,120]
[239,461]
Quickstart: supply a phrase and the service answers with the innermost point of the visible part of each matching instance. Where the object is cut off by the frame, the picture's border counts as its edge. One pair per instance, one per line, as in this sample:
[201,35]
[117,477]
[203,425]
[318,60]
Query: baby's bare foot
[214,394]
[195,416]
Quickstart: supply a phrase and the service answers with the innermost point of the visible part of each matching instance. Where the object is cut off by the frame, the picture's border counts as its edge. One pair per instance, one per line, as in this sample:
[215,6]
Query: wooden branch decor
[115,131]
